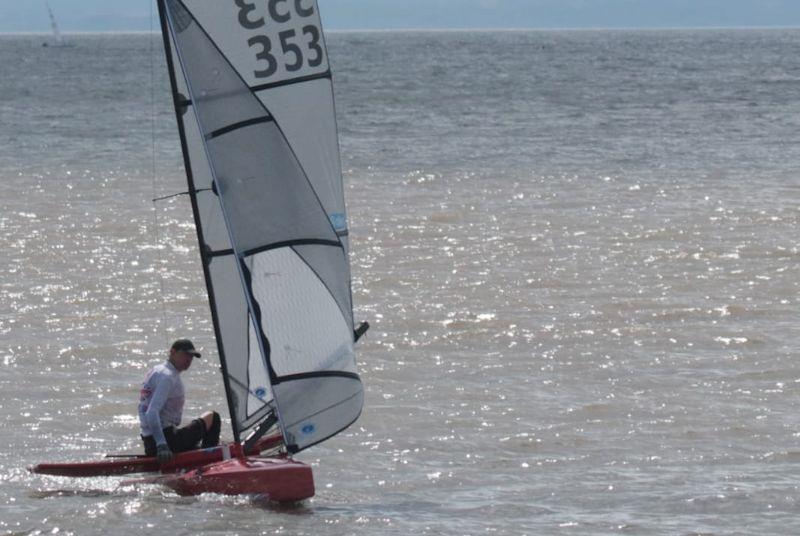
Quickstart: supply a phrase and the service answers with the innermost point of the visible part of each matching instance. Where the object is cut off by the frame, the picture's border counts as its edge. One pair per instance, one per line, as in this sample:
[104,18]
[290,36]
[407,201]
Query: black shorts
[180,439]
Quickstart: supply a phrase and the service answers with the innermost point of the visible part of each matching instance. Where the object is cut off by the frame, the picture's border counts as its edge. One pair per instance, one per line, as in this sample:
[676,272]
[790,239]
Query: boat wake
[91,493]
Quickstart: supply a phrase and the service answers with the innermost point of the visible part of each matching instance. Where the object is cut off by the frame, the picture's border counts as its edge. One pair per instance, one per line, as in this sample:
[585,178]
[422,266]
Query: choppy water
[578,252]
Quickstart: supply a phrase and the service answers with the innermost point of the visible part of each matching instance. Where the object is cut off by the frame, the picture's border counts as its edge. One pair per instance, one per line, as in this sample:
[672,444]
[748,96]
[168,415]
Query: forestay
[254,102]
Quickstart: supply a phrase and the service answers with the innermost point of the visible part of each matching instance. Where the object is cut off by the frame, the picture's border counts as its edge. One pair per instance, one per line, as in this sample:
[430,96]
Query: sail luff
[251,306]
[178,103]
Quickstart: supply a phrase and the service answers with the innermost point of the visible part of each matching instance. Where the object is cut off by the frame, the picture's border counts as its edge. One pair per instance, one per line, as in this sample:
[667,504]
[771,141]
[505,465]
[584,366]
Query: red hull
[278,479]
[181,462]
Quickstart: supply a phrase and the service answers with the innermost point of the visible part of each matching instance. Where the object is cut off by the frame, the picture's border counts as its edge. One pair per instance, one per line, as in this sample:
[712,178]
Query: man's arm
[153,414]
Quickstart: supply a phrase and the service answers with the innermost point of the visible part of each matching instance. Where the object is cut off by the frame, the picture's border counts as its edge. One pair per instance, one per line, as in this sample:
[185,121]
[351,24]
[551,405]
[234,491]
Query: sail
[54,26]
[254,102]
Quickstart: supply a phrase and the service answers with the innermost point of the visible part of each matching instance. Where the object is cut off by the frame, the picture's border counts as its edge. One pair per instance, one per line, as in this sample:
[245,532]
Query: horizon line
[445,29]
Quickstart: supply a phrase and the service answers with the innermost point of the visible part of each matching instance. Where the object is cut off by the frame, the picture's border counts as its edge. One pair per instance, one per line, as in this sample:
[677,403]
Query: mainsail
[254,103]
[54,26]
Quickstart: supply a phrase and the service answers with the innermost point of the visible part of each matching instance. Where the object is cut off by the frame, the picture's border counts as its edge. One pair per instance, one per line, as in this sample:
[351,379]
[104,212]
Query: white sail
[254,102]
[59,40]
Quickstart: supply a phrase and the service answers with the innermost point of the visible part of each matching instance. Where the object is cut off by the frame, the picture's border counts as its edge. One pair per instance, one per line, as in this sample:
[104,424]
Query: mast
[178,103]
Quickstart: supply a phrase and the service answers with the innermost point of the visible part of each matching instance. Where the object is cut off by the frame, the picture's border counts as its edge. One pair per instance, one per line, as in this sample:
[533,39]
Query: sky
[134,15]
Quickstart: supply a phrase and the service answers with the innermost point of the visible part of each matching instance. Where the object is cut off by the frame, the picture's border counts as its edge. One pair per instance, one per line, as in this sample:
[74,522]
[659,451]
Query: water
[577,250]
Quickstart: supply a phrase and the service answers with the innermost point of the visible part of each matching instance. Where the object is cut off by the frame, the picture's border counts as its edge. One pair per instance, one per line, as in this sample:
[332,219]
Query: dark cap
[185,345]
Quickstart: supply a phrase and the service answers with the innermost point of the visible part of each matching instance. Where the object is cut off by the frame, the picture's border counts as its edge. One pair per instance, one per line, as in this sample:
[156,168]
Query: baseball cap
[185,345]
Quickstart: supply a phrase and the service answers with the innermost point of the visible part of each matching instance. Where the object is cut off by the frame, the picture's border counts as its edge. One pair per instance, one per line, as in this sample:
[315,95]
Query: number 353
[294,56]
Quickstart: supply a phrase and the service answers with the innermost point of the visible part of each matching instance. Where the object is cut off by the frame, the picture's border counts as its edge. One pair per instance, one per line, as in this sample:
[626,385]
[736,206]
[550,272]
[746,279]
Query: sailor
[161,407]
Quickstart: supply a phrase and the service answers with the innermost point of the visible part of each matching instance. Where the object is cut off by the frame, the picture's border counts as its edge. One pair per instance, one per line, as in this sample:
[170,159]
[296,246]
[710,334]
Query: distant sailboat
[59,39]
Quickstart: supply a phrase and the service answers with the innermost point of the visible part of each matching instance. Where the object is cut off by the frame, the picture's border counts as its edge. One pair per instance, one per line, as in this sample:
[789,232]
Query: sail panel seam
[278,245]
[291,81]
[236,126]
[317,374]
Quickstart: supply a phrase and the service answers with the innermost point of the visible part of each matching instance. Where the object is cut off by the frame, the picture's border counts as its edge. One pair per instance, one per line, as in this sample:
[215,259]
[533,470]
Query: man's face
[182,360]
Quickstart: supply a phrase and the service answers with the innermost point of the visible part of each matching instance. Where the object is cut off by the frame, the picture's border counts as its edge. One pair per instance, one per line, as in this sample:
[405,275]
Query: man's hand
[164,454]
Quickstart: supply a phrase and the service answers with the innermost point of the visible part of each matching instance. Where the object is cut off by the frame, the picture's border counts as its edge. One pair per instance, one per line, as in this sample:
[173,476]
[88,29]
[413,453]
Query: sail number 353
[296,49]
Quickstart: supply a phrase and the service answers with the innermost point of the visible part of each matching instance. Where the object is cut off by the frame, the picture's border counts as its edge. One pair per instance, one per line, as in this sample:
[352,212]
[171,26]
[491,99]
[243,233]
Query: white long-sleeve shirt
[161,401]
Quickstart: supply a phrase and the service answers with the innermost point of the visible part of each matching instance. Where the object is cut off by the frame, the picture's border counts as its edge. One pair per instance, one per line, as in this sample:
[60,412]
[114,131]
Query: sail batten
[291,81]
[236,126]
[262,139]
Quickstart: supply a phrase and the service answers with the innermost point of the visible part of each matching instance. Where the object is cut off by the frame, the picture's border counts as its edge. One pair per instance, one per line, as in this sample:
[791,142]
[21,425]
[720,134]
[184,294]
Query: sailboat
[253,98]
[58,38]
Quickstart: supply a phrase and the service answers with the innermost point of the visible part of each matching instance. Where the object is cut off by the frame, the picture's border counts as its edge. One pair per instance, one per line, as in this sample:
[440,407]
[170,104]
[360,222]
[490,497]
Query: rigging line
[180,194]
[156,224]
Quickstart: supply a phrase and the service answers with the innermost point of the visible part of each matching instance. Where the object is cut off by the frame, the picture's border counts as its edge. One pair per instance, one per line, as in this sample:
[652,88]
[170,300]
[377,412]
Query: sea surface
[578,251]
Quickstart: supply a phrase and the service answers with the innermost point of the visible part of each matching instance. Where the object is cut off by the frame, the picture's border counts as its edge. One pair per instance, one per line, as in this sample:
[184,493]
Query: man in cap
[161,408]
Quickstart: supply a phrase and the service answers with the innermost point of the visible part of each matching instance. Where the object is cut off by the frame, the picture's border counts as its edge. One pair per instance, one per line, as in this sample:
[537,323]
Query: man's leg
[213,425]
[150,448]
[187,437]
[202,432]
